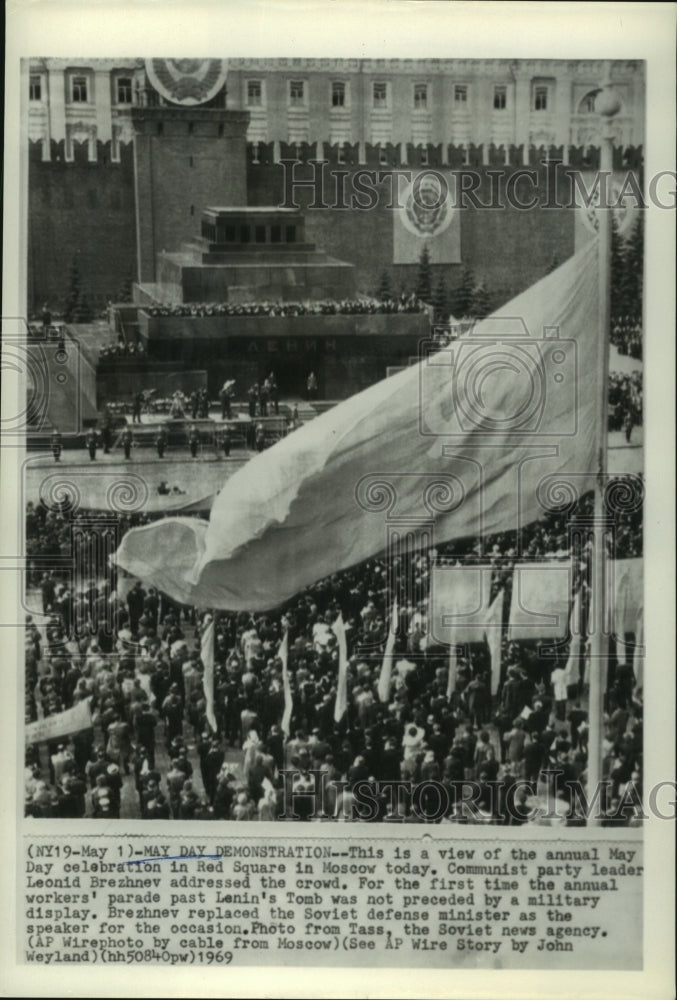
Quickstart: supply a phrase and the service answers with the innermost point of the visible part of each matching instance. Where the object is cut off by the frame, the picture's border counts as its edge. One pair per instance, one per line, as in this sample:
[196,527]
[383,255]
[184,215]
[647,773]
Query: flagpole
[606,105]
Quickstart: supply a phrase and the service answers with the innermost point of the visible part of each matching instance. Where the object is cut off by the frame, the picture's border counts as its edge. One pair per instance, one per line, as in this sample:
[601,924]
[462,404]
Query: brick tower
[189,153]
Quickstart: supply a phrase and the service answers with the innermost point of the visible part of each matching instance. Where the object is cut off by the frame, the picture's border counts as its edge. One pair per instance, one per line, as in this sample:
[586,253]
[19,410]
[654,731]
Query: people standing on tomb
[127,442]
[194,404]
[91,443]
[252,396]
[136,407]
[225,397]
[56,444]
[194,441]
[311,386]
[161,442]
[46,318]
[264,396]
[274,393]
[203,404]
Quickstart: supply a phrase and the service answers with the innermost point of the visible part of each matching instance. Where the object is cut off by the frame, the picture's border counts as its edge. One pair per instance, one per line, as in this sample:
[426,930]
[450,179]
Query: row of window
[339,95]
[79,89]
[79,93]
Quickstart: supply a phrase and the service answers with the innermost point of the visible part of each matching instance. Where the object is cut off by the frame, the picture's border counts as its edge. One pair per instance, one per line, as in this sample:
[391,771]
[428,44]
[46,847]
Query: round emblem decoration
[187,81]
[428,208]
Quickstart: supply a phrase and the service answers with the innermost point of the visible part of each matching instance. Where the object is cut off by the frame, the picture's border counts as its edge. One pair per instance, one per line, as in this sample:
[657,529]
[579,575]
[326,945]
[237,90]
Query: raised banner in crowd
[73,720]
[540,601]
[459,603]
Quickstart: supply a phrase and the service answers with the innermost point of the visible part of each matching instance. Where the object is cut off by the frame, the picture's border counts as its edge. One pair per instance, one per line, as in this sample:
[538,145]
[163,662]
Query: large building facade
[377,102]
[119,175]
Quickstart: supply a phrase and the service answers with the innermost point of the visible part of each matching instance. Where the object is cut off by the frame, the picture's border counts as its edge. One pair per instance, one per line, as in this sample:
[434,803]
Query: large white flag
[475,438]
[387,665]
[283,653]
[493,633]
[207,657]
[341,703]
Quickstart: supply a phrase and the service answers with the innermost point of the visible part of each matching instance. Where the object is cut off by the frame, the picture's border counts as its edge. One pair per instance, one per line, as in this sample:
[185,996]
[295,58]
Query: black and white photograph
[332,494]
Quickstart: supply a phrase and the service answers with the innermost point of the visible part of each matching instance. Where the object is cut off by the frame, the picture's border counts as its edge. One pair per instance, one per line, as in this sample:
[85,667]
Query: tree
[424,278]
[634,271]
[384,292]
[464,293]
[480,305]
[620,292]
[83,311]
[124,293]
[441,302]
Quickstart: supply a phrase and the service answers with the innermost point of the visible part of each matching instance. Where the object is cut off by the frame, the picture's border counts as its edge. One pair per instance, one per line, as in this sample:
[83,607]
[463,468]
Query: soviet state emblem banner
[187,81]
[428,216]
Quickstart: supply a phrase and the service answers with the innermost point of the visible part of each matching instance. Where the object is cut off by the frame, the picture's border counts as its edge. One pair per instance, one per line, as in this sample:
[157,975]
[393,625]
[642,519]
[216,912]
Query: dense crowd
[137,655]
[626,335]
[625,402]
[326,307]
[122,349]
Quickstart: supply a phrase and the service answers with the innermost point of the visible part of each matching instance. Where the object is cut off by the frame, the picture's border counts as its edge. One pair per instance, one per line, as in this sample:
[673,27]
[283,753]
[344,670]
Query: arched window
[587,105]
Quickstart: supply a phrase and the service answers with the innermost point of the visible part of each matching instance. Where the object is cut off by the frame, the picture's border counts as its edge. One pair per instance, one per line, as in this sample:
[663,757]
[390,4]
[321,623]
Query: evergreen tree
[384,293]
[124,293]
[441,302]
[634,271]
[83,311]
[424,279]
[464,293]
[73,293]
[480,304]
[620,292]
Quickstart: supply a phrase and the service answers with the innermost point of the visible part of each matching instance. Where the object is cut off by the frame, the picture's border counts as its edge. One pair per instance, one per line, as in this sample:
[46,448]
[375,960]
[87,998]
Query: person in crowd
[194,441]
[137,402]
[91,443]
[260,437]
[127,439]
[161,442]
[56,444]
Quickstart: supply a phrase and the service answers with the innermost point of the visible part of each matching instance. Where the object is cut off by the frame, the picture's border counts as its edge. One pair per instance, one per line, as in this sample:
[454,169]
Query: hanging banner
[428,218]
